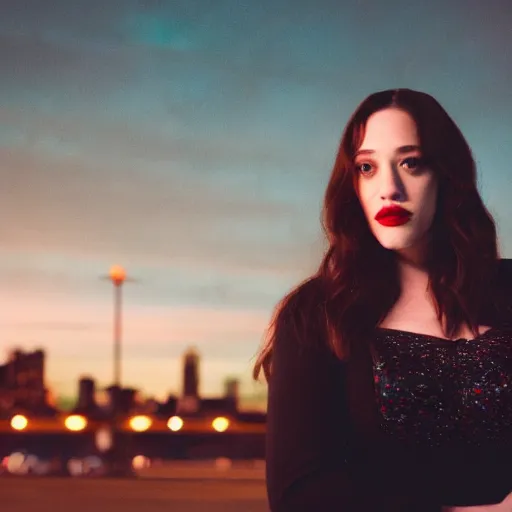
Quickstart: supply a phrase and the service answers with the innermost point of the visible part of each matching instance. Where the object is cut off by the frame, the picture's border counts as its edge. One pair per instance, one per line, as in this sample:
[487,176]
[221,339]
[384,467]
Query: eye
[413,163]
[365,169]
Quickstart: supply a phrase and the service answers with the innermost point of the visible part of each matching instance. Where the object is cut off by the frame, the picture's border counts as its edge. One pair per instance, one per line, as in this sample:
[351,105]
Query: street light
[220,424]
[175,423]
[19,422]
[117,276]
[140,423]
[75,422]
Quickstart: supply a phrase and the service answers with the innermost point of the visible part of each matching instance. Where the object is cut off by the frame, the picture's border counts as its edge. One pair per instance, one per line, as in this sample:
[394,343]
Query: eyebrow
[400,150]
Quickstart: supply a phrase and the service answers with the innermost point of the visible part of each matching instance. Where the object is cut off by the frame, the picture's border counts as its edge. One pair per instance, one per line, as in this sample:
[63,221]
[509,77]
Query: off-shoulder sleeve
[307,430]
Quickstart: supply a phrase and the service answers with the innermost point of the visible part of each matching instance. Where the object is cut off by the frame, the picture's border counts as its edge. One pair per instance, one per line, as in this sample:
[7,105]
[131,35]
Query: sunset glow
[189,149]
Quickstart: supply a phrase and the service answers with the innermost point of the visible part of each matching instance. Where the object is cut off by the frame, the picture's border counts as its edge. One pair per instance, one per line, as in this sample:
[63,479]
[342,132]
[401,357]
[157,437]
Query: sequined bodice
[433,392]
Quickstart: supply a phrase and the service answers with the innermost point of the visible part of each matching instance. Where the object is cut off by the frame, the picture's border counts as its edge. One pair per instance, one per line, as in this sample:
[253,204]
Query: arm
[307,430]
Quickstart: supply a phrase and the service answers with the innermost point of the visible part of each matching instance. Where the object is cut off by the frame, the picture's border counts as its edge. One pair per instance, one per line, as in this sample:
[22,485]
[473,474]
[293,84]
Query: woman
[390,370]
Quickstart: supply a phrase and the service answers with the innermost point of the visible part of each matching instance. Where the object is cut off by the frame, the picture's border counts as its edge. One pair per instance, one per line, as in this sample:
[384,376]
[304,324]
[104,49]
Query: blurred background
[162,166]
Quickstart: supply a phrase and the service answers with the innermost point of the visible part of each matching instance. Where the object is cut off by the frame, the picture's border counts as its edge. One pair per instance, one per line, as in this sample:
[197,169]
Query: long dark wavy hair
[357,282]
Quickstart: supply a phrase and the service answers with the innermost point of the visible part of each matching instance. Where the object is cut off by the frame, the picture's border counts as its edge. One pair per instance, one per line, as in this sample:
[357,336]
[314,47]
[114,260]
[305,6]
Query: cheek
[429,203]
[363,193]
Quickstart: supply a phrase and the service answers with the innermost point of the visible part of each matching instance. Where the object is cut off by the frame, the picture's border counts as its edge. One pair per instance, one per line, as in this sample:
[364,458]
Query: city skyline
[23,387]
[192,144]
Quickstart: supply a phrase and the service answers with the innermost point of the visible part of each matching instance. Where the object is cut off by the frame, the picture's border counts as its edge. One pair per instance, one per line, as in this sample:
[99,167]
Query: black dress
[415,423]
[446,406]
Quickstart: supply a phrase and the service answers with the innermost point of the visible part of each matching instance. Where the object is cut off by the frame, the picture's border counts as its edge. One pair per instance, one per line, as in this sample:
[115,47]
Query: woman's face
[397,192]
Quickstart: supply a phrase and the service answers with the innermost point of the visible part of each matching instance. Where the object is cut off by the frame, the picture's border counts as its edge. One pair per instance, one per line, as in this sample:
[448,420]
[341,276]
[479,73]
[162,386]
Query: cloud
[171,283]
[64,204]
[146,327]
[51,326]
[160,145]
[191,142]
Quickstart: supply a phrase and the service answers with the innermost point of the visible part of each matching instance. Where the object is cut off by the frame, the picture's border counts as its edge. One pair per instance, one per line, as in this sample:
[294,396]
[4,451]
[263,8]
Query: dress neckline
[438,338]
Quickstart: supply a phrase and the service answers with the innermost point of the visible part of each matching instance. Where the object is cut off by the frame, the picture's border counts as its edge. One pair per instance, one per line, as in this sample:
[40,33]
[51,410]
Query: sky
[191,142]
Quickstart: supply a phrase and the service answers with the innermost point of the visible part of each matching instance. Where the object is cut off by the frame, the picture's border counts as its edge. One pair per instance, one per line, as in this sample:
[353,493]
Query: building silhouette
[169,407]
[22,383]
[232,388]
[86,394]
[191,374]
[87,403]
[121,400]
[23,390]
[232,393]
[189,401]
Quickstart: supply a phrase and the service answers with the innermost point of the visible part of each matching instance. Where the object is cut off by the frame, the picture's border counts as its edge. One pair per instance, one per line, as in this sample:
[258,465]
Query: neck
[415,255]
[412,275]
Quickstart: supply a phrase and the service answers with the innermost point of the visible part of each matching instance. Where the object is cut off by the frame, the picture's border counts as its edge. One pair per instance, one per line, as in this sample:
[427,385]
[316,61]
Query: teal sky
[191,141]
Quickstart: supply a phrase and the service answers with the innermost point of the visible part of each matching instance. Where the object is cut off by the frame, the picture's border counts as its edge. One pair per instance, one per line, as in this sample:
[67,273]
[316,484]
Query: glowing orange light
[140,462]
[220,424]
[175,423]
[75,423]
[103,439]
[117,274]
[140,423]
[19,422]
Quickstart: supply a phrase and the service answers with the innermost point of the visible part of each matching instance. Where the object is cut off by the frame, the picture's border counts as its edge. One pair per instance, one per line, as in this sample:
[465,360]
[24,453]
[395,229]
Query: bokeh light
[16,462]
[19,422]
[103,439]
[175,423]
[223,463]
[93,466]
[76,467]
[117,274]
[220,424]
[75,422]
[140,462]
[140,423]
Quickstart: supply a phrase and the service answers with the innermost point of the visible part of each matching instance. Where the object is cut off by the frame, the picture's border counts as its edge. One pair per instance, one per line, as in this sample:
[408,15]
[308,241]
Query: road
[27,494]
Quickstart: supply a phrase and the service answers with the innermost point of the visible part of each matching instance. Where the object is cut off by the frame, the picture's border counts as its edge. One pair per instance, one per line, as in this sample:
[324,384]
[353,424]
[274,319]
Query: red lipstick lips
[393,216]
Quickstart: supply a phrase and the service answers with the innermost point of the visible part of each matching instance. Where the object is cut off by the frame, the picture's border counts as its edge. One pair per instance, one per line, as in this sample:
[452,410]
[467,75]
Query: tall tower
[86,394]
[188,403]
[232,393]
[191,374]
[231,388]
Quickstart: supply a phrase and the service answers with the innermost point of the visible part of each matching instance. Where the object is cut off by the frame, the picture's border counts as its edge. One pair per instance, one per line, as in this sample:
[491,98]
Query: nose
[391,186]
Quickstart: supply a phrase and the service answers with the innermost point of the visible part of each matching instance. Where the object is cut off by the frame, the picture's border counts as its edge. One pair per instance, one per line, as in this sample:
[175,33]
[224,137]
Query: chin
[401,239]
[394,247]
[410,249]
[395,243]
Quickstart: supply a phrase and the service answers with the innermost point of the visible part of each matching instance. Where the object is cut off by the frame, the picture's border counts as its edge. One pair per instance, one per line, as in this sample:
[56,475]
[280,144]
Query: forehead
[389,129]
